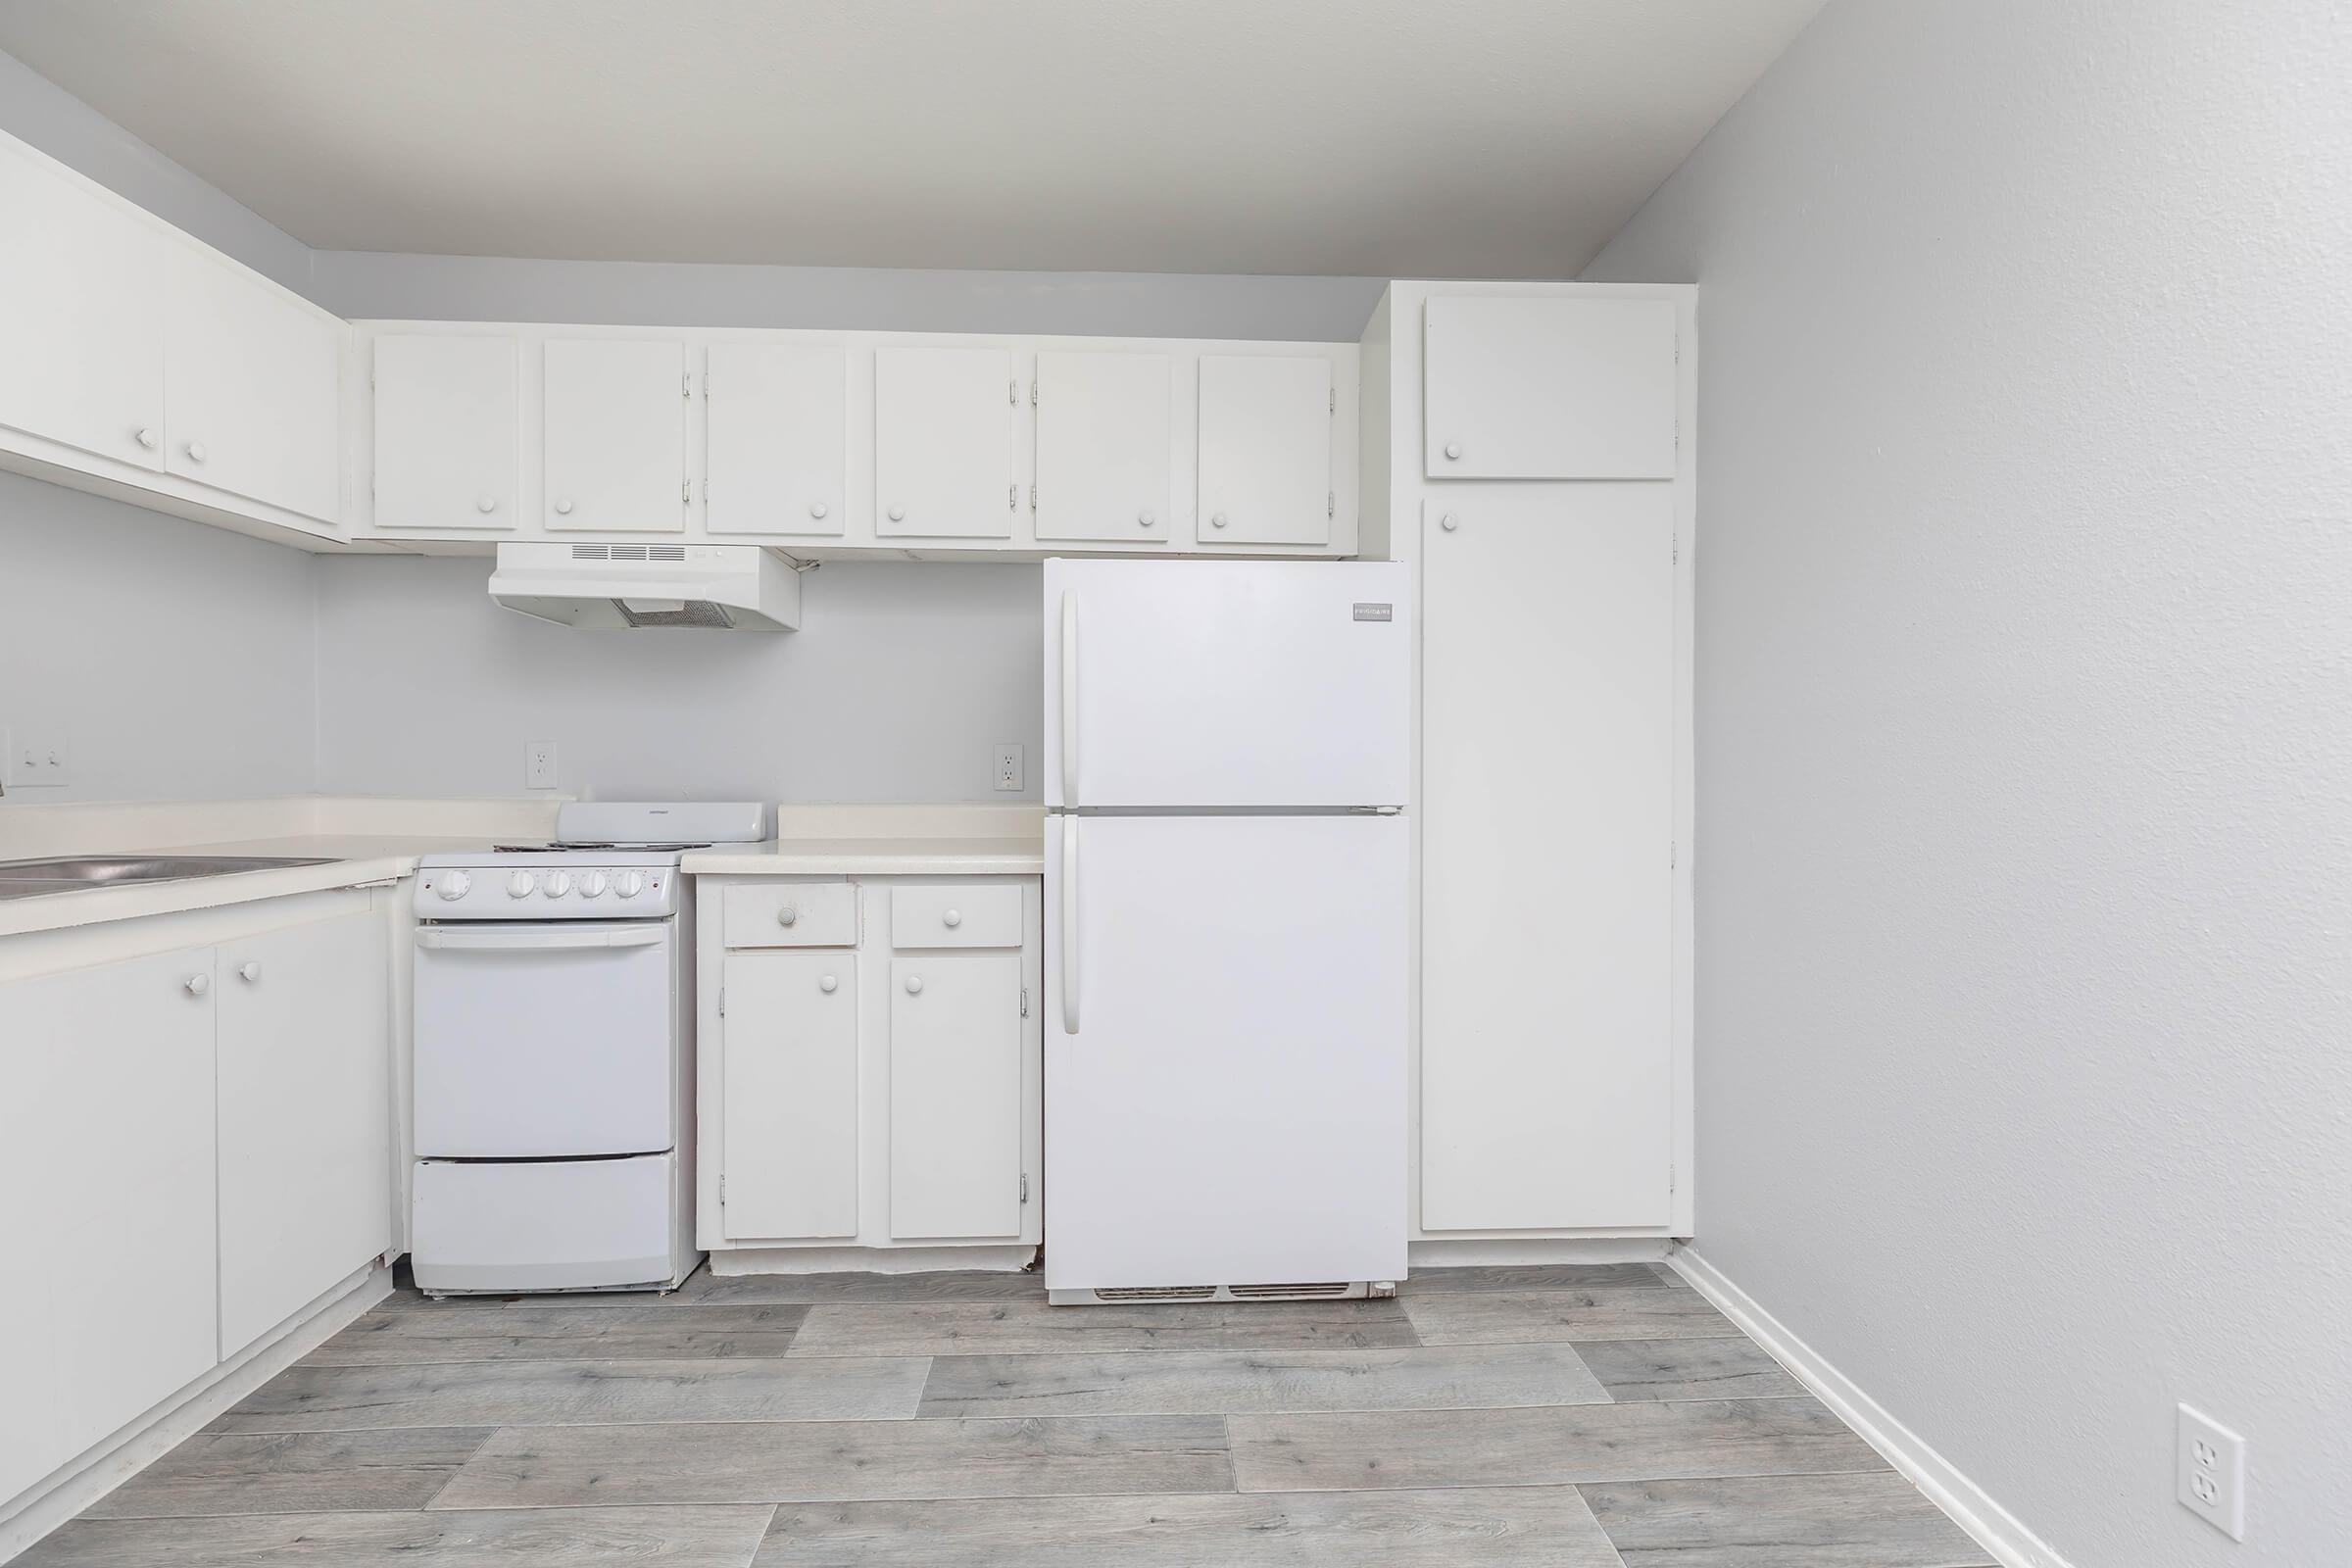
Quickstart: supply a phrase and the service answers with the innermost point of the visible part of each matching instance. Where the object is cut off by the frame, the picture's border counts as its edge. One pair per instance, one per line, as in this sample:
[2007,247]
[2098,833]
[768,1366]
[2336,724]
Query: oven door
[546,1039]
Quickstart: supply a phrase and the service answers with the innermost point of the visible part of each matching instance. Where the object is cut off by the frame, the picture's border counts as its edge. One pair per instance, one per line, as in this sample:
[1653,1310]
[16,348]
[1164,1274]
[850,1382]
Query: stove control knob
[554,884]
[519,885]
[455,885]
[592,884]
[629,884]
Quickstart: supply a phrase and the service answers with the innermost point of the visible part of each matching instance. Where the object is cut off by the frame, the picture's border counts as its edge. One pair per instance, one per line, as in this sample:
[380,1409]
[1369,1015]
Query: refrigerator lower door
[1225,1053]
[1213,684]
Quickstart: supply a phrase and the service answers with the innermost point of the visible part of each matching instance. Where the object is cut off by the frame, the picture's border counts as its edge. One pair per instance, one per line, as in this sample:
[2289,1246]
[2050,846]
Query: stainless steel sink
[30,879]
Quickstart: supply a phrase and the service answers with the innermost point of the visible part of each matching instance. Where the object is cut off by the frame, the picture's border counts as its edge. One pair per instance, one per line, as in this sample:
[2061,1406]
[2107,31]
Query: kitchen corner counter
[962,840]
[348,861]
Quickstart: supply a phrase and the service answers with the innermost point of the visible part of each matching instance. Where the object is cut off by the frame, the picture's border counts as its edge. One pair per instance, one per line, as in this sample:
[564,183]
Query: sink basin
[27,879]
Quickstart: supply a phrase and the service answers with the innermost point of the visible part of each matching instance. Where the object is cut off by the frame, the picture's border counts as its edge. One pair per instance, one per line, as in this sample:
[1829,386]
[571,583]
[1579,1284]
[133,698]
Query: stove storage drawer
[792,914]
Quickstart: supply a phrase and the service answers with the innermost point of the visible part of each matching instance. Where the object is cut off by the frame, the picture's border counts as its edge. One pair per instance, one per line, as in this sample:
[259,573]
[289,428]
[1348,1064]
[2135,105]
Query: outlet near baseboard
[2211,1472]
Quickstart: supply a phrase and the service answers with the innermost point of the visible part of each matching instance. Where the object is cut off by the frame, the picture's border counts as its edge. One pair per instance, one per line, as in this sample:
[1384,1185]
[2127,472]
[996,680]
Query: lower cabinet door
[789,1088]
[956,1096]
[305,1117]
[106,1091]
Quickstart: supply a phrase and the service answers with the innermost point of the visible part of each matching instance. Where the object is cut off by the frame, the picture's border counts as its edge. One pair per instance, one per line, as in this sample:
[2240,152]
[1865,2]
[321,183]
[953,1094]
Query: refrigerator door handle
[1069,933]
[1069,697]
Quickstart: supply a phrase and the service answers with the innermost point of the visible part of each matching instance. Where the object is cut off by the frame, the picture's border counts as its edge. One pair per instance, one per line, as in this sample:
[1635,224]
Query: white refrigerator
[1227,758]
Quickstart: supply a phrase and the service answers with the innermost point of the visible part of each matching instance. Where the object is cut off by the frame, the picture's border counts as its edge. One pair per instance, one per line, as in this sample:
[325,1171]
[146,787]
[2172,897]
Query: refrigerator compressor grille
[1315,1290]
[1289,1293]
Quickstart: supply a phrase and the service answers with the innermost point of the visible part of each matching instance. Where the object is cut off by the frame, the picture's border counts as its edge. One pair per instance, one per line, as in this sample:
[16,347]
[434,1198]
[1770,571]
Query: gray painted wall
[2025,738]
[176,659]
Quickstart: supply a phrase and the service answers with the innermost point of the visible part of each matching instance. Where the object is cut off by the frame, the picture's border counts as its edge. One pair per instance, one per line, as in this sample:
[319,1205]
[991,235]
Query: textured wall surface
[173,658]
[901,680]
[2025,729]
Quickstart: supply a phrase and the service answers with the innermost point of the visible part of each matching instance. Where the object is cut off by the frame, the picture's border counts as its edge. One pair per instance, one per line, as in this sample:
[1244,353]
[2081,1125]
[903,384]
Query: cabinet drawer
[792,914]
[955,915]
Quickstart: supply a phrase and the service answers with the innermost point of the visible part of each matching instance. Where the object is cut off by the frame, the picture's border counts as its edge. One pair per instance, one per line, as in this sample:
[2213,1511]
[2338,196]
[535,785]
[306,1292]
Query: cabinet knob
[828,985]
[144,437]
[486,505]
[195,452]
[914,985]
[1453,449]
[788,916]
[249,971]
[897,513]
[1217,521]
[816,509]
[198,984]
[953,918]
[563,507]
[1147,518]
[1449,522]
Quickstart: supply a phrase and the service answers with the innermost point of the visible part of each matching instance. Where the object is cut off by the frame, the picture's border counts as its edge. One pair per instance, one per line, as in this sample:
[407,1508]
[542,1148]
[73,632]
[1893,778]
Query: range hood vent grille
[628,552]
[673,612]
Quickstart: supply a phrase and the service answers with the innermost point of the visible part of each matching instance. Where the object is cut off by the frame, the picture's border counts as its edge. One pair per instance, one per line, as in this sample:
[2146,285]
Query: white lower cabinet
[187,1156]
[871,1073]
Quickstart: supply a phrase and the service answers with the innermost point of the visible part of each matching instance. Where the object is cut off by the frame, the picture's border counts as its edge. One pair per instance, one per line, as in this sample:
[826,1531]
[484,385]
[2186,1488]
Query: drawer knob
[788,916]
[1453,451]
[828,985]
[249,971]
[1217,521]
[1449,522]
[486,505]
[914,985]
[953,918]
[1148,518]
[897,513]
[195,452]
[564,508]
[816,509]
[144,437]
[198,984]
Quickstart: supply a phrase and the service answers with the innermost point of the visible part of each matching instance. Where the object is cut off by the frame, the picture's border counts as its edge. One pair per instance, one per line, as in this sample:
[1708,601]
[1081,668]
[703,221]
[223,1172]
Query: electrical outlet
[2211,1473]
[1008,772]
[539,765]
[36,759]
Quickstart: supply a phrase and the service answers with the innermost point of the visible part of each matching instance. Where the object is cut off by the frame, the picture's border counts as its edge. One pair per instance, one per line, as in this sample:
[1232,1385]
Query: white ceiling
[1368,137]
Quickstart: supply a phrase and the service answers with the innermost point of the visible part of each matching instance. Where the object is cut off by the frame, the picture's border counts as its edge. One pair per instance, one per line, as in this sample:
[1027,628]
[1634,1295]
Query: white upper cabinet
[777,446]
[1265,450]
[1549,388]
[81,316]
[1103,446]
[944,443]
[252,384]
[446,433]
[616,442]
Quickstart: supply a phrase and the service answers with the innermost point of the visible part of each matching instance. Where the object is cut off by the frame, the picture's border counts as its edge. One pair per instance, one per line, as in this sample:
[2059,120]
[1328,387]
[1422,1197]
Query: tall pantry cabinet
[1528,447]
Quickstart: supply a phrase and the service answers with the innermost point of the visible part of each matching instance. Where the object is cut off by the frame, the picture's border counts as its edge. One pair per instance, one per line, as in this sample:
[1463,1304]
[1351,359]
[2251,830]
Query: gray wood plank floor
[1572,1416]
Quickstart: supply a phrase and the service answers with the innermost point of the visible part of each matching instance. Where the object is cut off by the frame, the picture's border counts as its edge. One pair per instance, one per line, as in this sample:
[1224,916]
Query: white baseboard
[729,1261]
[116,1460]
[1991,1526]
[1520,1251]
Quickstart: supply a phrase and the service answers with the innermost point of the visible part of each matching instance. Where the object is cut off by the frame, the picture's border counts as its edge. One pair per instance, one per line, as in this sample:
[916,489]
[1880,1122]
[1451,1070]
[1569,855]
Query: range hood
[725,587]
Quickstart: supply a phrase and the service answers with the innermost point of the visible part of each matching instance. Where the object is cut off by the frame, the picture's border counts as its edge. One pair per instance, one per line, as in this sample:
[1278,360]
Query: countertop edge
[86,906]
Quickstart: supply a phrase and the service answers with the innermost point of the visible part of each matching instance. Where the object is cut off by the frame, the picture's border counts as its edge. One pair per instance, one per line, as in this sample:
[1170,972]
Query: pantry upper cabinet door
[944,443]
[252,386]
[1549,388]
[1103,422]
[616,442]
[446,433]
[774,448]
[1265,450]
[81,316]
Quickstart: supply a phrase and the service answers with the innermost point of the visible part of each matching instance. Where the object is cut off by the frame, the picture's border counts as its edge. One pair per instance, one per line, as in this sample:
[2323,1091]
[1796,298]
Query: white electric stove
[555,1054]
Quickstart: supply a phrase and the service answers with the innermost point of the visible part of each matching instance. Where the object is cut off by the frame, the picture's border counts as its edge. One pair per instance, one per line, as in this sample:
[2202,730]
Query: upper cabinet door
[81,316]
[252,381]
[1102,423]
[616,447]
[1265,450]
[777,443]
[1549,388]
[944,443]
[444,432]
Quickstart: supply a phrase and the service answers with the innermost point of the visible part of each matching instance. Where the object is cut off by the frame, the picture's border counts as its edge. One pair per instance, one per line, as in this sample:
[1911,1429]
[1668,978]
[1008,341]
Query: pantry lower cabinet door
[305,1117]
[789,1091]
[956,1097]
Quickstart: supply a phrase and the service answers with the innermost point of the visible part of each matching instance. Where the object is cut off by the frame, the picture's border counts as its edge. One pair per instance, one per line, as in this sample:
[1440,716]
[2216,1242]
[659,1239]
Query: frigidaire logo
[1375,613]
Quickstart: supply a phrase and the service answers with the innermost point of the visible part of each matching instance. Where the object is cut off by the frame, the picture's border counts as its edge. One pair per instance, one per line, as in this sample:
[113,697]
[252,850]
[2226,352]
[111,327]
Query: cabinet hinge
[1678,550]
[1025,1002]
[1013,496]
[1033,394]
[723,1013]
[1672,851]
[722,1190]
[1331,502]
[1331,401]
[1012,393]
[686,492]
[1033,498]
[686,384]
[1024,1187]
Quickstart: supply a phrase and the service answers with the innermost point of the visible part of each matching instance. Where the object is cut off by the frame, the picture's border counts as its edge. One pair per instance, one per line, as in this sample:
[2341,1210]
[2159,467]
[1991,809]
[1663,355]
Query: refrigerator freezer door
[1218,684]
[1231,1109]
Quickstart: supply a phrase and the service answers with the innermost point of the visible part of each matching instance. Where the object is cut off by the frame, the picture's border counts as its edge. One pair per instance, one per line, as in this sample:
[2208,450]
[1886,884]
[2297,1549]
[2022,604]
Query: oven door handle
[497,938]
